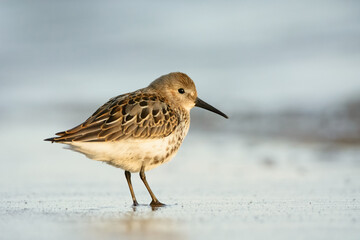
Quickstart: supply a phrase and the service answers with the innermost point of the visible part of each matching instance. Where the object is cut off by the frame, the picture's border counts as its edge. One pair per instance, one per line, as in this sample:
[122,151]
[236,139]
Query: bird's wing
[136,115]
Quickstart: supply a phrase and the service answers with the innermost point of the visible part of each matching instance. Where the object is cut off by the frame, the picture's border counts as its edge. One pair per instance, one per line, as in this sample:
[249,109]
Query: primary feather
[137,115]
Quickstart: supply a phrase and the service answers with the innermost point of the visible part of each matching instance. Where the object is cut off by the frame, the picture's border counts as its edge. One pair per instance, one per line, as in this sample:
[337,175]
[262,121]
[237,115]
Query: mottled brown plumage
[140,130]
[139,115]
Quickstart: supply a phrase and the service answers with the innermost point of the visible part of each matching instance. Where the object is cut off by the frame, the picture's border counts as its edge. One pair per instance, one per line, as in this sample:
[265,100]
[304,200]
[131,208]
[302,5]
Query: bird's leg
[128,178]
[154,202]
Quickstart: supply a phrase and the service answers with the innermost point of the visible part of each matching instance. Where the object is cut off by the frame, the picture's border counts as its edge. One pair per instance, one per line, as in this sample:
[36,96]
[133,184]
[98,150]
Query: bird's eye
[181,90]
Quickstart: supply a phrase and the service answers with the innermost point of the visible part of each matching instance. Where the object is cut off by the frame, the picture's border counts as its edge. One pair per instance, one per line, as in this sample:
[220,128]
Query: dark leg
[128,178]
[154,202]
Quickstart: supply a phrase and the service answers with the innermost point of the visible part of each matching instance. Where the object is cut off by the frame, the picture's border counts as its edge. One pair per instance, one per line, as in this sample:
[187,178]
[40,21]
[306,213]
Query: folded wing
[137,115]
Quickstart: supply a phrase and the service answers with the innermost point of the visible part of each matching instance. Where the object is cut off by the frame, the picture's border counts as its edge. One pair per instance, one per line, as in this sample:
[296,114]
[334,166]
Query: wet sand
[60,61]
[218,186]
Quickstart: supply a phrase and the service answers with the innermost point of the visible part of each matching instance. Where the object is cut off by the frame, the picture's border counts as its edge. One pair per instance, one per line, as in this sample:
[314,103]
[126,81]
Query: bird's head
[180,89]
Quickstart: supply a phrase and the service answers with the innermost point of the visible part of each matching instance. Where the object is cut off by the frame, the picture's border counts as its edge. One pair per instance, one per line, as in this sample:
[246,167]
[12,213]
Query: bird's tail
[53,139]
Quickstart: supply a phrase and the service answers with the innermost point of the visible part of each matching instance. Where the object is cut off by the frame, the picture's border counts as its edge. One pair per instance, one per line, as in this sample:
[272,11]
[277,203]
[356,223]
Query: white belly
[132,154]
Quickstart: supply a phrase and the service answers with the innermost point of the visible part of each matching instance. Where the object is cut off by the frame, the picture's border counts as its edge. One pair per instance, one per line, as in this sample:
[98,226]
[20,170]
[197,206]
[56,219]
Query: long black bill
[200,103]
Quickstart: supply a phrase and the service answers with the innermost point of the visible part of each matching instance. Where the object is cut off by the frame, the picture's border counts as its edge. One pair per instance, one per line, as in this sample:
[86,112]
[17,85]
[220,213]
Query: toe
[157,204]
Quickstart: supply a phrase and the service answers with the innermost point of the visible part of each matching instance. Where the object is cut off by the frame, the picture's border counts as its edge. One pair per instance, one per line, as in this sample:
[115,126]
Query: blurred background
[286,72]
[294,60]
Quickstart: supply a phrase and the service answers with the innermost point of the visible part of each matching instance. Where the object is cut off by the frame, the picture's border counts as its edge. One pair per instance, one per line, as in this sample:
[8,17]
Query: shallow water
[59,61]
[217,186]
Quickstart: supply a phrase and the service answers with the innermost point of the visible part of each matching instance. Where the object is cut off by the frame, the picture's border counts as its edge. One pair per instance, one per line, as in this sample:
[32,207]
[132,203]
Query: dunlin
[140,130]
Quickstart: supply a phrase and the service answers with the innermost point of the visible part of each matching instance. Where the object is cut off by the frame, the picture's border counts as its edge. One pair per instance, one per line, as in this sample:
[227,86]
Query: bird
[140,130]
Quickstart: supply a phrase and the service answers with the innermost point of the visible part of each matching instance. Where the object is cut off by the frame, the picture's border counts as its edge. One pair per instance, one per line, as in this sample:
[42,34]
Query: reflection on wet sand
[136,224]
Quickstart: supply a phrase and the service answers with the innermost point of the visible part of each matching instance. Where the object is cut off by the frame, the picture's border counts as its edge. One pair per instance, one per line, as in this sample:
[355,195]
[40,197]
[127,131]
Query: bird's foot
[156,204]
